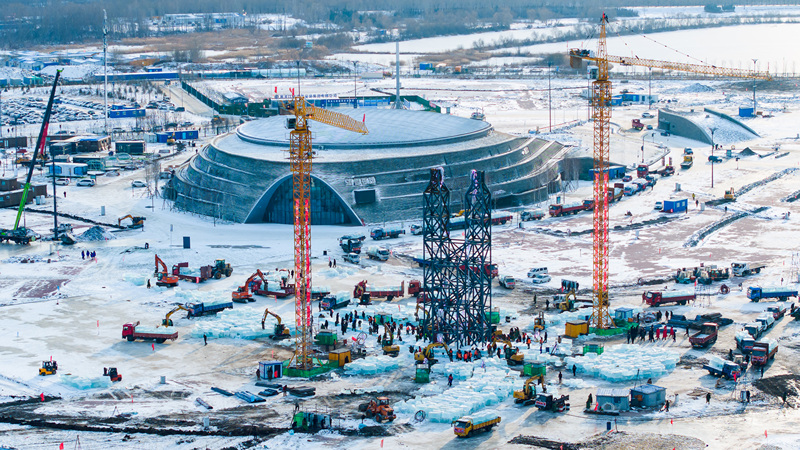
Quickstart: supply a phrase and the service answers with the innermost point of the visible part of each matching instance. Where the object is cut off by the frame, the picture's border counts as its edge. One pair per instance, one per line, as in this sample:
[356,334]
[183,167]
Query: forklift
[112,373]
[48,368]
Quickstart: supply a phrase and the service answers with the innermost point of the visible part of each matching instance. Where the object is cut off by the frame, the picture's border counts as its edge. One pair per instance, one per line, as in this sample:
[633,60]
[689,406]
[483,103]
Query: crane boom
[338,120]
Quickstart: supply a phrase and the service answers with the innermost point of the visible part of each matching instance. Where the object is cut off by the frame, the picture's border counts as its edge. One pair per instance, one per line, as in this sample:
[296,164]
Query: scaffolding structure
[457,276]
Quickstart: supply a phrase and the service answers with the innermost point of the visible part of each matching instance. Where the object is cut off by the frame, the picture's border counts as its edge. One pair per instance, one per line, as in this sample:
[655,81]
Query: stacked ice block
[625,362]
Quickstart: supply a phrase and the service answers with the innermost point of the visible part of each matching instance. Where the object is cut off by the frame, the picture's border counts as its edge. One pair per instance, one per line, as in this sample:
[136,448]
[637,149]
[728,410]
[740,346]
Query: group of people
[87,254]
[652,333]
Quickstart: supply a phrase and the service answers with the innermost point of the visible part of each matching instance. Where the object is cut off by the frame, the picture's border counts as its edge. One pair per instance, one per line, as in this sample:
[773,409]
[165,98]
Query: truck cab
[508,282]
[353,258]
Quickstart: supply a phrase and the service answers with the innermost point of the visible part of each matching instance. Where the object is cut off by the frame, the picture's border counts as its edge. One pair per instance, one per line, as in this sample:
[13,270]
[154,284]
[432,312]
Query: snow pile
[239,323]
[488,386]
[96,233]
[372,365]
[697,88]
[626,362]
[84,383]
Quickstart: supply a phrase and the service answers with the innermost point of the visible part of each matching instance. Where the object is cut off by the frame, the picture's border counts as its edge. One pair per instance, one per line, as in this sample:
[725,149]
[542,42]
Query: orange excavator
[244,294]
[164,278]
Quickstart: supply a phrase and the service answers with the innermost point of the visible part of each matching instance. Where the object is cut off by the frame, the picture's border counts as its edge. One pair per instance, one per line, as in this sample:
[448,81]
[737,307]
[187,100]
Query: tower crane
[601,115]
[300,157]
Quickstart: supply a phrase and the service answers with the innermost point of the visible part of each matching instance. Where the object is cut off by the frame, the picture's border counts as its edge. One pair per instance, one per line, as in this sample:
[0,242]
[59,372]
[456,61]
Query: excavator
[244,294]
[538,322]
[730,195]
[136,221]
[427,352]
[568,304]
[389,347]
[527,395]
[164,278]
[512,354]
[167,322]
[281,332]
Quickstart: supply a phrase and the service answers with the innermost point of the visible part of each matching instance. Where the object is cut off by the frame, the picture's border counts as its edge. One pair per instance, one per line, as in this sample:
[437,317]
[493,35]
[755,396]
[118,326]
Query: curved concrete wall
[681,126]
[518,170]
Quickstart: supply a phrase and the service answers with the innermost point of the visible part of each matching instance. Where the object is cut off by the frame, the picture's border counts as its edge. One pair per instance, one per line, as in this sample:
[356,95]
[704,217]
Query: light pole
[650,90]
[643,136]
[549,99]
[754,86]
[713,129]
[355,84]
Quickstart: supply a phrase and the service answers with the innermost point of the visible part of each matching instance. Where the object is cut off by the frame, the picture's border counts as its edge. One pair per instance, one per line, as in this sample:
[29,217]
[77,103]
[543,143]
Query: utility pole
[754,86]
[105,73]
[549,99]
[650,90]
[55,199]
[397,103]
[355,84]
[713,129]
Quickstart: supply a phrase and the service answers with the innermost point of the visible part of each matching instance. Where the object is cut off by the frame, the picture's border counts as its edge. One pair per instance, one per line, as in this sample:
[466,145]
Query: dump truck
[386,233]
[727,369]
[182,271]
[763,351]
[745,269]
[779,310]
[133,331]
[658,298]
[331,302]
[756,293]
[466,426]
[536,214]
[558,209]
[706,336]
[387,292]
[197,309]
[350,245]
[378,253]
[637,125]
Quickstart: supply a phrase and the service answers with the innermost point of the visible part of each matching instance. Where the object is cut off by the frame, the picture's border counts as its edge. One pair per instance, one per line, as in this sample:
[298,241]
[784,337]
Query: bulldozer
[427,353]
[730,194]
[48,368]
[281,332]
[136,221]
[112,374]
[167,322]
[221,268]
[379,409]
[527,395]
[389,347]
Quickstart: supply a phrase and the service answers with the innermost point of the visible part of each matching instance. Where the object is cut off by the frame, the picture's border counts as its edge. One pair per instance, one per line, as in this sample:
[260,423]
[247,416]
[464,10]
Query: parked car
[627,178]
[88,182]
[647,115]
[537,271]
[62,181]
[138,184]
[112,173]
[416,229]
[659,206]
[649,127]
[714,159]
[540,278]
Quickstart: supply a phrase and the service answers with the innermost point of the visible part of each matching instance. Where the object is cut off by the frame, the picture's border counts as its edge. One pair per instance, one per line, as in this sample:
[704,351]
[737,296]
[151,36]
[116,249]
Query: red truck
[388,293]
[133,331]
[778,311]
[637,125]
[706,336]
[558,209]
[658,298]
[202,274]
[264,289]
[502,219]
[763,351]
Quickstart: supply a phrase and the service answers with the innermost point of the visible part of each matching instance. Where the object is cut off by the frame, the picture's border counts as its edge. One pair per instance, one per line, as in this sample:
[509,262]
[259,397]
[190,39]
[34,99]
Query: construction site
[334,277]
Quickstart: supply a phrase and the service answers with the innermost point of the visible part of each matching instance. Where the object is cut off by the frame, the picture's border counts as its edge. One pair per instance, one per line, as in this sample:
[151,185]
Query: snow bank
[84,383]
[626,362]
[136,280]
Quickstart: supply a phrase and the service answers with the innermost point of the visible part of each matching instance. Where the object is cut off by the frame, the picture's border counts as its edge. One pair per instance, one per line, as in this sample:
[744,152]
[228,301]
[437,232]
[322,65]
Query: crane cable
[657,43]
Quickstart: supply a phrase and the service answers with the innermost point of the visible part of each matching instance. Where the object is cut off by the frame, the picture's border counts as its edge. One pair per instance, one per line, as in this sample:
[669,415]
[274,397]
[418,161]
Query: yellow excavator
[167,322]
[527,395]
[512,354]
[538,322]
[427,352]
[389,347]
[730,194]
[568,304]
[136,221]
[281,332]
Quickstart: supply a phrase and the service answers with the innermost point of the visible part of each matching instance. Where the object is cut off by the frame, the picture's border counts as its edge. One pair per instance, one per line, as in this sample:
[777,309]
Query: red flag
[154,346]
[765,433]
[670,422]
[276,89]
[61,446]
[364,119]
[381,443]
[42,396]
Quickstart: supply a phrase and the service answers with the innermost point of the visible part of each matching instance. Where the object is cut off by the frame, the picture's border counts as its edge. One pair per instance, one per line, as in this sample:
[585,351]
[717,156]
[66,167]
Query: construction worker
[559,377]
[148,283]
[450,380]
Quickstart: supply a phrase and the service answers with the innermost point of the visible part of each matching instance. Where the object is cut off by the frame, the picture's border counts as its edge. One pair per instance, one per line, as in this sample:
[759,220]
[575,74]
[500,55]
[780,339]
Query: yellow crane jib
[338,120]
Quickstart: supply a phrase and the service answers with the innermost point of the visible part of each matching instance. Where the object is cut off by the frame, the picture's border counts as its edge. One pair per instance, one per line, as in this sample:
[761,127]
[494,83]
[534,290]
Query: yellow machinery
[167,322]
[136,221]
[601,115]
[300,157]
[48,368]
[730,194]
[512,354]
[538,322]
[427,352]
[568,304]
[527,395]
[389,347]
[281,332]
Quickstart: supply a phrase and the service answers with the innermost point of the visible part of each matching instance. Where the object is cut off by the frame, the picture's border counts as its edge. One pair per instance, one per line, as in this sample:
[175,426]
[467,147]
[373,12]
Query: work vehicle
[549,402]
[138,184]
[702,274]
[666,171]
[163,278]
[706,336]
[359,237]
[262,288]
[745,269]
[627,178]
[766,319]
[536,214]
[756,293]
[48,368]
[85,182]
[386,233]
[779,310]
[616,193]
[512,354]
[220,268]
[136,221]
[744,341]
[637,125]
[167,321]
[427,353]
[680,321]
[244,293]
[112,373]
[378,253]
[527,395]
[197,309]
[459,223]
[350,245]
[332,302]
[389,347]
[507,282]
[730,194]
[658,298]
[558,209]
[567,303]
[378,409]
[687,162]
[659,205]
[352,258]
[416,229]
[62,181]
[647,115]
[319,292]
[389,292]
[133,331]
[466,426]
[763,351]
[755,328]
[280,332]
[729,369]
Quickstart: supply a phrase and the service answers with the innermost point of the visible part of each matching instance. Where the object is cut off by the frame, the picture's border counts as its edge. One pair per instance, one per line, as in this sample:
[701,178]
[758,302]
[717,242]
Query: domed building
[244,176]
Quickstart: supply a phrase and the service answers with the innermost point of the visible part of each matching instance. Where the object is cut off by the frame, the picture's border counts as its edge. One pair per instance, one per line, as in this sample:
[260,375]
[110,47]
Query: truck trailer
[756,293]
[197,309]
[133,331]
[658,298]
[386,233]
[558,209]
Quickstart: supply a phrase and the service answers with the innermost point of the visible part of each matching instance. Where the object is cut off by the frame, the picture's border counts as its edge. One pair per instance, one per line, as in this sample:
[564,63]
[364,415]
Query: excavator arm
[163,266]
[167,322]
[267,312]
[119,221]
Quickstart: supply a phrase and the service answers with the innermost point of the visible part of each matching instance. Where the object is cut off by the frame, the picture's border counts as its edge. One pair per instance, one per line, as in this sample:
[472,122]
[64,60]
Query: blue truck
[207,308]
[756,293]
[386,233]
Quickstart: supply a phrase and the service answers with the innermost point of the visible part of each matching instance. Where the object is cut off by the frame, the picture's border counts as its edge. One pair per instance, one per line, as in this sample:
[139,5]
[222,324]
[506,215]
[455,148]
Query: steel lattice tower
[437,251]
[601,115]
[477,300]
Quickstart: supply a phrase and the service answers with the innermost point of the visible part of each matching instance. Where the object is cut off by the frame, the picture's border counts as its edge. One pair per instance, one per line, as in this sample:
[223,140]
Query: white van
[537,271]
